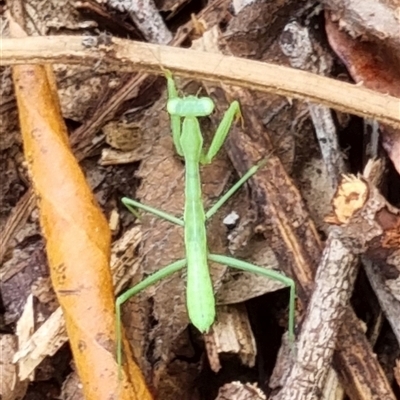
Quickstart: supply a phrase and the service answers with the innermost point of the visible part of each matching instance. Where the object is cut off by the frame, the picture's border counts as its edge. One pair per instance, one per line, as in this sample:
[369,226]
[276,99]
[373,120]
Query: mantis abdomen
[199,292]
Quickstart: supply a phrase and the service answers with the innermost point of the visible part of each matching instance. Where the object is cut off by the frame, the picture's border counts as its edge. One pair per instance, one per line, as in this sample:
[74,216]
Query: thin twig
[389,303]
[297,43]
[127,55]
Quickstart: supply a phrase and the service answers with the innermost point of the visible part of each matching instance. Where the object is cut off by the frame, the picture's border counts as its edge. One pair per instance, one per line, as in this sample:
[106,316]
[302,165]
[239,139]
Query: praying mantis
[188,141]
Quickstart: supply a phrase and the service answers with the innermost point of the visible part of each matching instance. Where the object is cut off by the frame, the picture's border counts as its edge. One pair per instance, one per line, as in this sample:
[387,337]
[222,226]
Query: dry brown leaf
[77,240]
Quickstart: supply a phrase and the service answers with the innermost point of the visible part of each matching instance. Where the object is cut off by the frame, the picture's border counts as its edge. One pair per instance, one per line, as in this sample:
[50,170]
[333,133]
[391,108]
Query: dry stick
[359,219]
[297,44]
[388,302]
[360,372]
[124,55]
[336,271]
[383,256]
[388,294]
[370,228]
[317,341]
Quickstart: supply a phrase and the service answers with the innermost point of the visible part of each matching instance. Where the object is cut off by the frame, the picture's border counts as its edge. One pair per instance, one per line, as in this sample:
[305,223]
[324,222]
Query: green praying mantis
[188,141]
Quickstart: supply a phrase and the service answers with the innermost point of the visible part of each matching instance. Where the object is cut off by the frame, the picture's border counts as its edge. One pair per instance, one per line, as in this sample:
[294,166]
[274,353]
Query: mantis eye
[206,105]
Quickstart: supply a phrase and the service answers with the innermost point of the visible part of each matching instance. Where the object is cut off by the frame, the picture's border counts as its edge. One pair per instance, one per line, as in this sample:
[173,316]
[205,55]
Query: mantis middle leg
[129,203]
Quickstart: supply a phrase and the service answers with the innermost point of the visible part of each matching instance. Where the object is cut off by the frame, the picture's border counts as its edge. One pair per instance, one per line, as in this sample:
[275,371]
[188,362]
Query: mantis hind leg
[245,266]
[150,280]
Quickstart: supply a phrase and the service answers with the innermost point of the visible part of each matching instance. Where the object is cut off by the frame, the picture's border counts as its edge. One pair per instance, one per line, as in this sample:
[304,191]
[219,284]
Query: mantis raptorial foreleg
[188,142]
[225,197]
[233,112]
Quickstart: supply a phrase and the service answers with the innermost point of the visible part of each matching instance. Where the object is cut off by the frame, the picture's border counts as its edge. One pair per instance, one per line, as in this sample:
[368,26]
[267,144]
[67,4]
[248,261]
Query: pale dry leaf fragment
[44,342]
[208,41]
[114,221]
[11,387]
[24,331]
[231,333]
[238,5]
[116,157]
